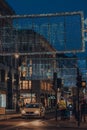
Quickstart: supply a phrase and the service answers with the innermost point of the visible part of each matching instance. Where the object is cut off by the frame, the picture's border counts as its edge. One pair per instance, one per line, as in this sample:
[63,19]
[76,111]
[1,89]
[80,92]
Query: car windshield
[32,105]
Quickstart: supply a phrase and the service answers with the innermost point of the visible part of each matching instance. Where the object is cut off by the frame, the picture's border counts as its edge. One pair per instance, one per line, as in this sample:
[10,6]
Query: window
[2,75]
[25,84]
[32,105]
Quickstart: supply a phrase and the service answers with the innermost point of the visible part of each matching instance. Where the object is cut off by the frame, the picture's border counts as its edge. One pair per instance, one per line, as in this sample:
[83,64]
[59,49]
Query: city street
[33,124]
[49,122]
[43,65]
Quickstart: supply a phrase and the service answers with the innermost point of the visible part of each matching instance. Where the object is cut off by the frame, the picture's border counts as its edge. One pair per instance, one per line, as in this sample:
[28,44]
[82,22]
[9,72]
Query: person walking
[83,110]
[62,108]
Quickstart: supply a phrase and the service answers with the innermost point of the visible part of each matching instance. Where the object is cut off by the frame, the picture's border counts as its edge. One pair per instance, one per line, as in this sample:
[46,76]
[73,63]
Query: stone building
[36,71]
[5,96]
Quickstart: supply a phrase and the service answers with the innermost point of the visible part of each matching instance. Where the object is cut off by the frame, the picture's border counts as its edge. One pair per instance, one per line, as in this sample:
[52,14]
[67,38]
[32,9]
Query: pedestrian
[62,108]
[83,110]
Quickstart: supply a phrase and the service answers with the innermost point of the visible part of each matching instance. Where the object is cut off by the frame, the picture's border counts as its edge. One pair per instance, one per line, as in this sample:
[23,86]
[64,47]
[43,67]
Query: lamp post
[79,82]
[17,81]
[56,91]
[9,90]
[31,95]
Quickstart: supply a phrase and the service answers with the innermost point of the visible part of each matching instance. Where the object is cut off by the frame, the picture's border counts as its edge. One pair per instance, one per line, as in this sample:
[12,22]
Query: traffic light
[59,82]
[79,81]
[54,80]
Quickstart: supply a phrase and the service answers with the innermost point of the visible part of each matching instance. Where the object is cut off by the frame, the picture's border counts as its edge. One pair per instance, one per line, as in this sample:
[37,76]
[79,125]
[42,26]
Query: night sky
[47,6]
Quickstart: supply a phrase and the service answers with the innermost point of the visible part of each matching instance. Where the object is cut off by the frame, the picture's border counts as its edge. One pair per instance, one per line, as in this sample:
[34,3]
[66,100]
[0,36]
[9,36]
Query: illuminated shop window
[25,84]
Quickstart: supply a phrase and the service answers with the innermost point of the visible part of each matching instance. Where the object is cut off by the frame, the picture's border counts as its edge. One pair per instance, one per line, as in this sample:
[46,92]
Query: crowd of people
[66,110]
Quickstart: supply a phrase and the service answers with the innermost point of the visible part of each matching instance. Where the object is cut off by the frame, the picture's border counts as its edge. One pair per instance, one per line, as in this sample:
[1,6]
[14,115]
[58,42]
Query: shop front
[27,98]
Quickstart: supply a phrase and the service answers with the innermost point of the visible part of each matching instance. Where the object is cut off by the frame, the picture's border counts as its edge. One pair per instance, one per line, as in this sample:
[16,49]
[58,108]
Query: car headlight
[23,112]
[37,112]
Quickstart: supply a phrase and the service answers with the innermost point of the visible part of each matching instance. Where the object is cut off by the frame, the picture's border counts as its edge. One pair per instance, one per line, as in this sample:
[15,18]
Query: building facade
[5,9]
[36,71]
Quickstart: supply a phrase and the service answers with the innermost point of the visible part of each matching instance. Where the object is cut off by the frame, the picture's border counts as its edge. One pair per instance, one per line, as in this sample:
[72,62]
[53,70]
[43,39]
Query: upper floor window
[2,75]
[25,84]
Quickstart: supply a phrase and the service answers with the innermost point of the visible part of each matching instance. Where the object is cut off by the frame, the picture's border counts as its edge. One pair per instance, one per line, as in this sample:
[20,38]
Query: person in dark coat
[83,110]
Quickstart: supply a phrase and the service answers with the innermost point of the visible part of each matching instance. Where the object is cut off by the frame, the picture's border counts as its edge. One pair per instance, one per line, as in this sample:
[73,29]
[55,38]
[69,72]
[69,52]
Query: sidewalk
[9,116]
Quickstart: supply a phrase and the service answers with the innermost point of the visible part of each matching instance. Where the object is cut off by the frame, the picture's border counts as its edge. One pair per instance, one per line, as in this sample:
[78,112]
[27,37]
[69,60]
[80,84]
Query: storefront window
[2,100]
[28,97]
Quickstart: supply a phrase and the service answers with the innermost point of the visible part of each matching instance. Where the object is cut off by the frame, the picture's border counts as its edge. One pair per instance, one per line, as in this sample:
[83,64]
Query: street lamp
[16,55]
[79,84]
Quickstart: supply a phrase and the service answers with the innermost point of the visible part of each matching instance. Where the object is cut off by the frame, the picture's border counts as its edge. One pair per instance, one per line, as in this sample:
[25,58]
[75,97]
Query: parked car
[33,110]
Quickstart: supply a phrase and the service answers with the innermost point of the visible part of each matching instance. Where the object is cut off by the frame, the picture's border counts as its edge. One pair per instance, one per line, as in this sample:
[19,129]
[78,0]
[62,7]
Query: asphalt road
[32,124]
[49,123]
